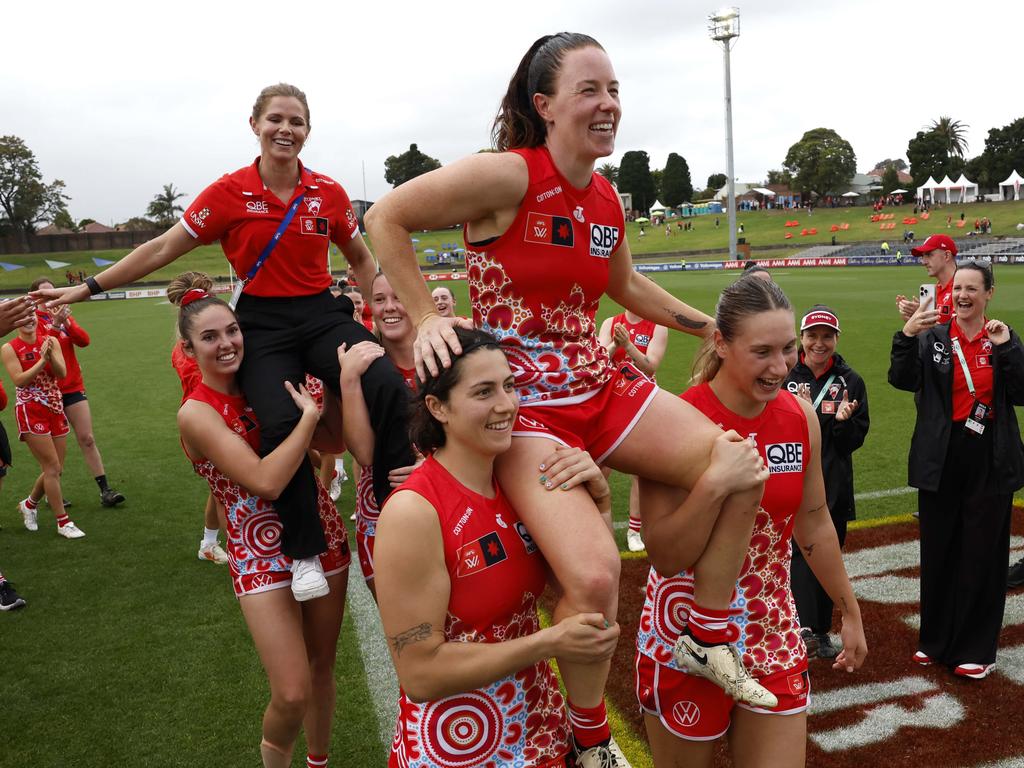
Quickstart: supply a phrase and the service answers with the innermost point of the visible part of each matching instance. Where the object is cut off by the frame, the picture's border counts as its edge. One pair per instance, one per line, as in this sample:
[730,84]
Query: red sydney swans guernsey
[536,287]
[496,574]
[43,388]
[764,622]
[639,333]
[70,335]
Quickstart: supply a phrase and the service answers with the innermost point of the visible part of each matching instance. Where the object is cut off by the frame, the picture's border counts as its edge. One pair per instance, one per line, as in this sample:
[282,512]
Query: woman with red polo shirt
[397,336]
[630,338]
[544,242]
[70,334]
[275,220]
[966,460]
[739,377]
[35,363]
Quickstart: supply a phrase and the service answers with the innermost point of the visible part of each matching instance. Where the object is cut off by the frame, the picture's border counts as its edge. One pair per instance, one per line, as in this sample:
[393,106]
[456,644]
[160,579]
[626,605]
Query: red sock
[589,726]
[63,520]
[316,761]
[634,524]
[708,626]
[31,503]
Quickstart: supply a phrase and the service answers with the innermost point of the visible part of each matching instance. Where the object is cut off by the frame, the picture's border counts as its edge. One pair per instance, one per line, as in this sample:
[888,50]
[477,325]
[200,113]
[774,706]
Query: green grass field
[761,228]
[132,652]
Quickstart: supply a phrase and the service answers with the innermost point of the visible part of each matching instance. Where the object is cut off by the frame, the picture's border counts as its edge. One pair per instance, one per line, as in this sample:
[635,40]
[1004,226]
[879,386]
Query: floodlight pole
[724,27]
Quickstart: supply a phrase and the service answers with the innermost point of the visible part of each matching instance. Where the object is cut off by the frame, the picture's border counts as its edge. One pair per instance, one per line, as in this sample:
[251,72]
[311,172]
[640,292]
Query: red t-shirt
[639,333]
[244,215]
[70,335]
[496,573]
[978,356]
[536,288]
[944,301]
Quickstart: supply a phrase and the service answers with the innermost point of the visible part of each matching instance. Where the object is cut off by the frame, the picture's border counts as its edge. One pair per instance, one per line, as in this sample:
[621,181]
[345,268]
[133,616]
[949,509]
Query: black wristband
[94,287]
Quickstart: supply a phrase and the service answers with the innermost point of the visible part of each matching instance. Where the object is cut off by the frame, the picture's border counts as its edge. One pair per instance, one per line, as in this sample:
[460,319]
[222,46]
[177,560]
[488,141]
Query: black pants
[285,338]
[965,545]
[813,604]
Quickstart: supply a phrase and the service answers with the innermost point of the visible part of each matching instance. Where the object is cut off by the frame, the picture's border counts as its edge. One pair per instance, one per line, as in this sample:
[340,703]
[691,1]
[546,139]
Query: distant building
[53,229]
[95,226]
[361,207]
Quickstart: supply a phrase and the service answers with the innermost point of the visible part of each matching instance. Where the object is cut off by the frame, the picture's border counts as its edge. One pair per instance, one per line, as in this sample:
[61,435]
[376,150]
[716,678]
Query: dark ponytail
[517,123]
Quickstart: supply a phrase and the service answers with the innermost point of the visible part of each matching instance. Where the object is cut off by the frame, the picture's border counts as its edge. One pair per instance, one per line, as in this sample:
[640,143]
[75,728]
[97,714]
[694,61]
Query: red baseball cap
[935,241]
[819,314]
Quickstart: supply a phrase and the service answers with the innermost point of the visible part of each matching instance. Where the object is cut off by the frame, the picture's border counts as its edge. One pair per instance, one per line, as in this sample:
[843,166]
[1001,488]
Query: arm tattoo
[412,635]
[817,509]
[684,321]
[808,550]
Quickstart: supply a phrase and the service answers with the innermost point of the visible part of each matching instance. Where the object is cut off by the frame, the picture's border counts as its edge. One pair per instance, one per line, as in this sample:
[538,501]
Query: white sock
[210,536]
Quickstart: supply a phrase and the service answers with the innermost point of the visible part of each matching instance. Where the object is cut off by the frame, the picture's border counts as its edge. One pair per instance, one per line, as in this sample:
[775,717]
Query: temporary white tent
[947,184]
[929,186]
[965,185]
[657,207]
[1014,180]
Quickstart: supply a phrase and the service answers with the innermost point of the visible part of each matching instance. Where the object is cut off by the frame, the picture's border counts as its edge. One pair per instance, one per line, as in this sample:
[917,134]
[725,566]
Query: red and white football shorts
[36,419]
[696,709]
[364,547]
[597,421]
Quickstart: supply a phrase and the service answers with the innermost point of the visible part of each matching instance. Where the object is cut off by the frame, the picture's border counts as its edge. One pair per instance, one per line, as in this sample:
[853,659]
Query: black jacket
[839,439]
[925,364]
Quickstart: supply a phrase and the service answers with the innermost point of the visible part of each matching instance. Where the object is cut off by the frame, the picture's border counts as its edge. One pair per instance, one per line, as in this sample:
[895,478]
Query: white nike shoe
[602,756]
[722,665]
[634,541]
[70,531]
[30,516]
[213,553]
[335,490]
[308,580]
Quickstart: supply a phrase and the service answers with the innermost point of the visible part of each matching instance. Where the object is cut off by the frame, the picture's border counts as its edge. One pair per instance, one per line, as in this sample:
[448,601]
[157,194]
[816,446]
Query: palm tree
[953,132]
[609,171]
[164,207]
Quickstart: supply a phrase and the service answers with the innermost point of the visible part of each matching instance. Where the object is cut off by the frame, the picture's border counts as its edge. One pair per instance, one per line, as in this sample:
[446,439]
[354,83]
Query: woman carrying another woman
[544,240]
[35,363]
[275,220]
[966,461]
[739,384]
[70,334]
[220,434]
[458,578]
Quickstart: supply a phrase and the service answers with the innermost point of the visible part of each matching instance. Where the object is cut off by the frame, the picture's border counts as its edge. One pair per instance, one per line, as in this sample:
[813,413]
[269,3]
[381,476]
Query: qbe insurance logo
[784,457]
[602,240]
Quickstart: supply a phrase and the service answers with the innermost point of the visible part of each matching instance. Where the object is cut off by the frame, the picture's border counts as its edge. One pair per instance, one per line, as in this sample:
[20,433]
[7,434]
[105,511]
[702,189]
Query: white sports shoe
[30,516]
[70,531]
[308,580]
[213,553]
[602,756]
[634,541]
[339,467]
[335,490]
[722,665]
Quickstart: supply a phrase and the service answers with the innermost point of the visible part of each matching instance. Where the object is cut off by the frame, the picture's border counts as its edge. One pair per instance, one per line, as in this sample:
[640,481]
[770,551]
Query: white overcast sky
[119,98]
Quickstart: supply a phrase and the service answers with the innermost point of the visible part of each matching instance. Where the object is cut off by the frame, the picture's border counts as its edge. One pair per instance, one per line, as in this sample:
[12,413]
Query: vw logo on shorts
[686,713]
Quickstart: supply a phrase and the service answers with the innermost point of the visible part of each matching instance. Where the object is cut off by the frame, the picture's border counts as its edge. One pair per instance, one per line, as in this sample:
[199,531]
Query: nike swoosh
[702,658]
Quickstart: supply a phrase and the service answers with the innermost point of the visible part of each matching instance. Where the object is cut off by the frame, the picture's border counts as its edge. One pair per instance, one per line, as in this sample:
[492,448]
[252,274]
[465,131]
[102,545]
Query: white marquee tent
[965,185]
[946,184]
[1013,181]
[929,186]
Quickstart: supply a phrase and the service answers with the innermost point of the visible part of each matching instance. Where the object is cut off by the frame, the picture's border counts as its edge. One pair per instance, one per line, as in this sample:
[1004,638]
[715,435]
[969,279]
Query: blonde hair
[280,89]
[750,295]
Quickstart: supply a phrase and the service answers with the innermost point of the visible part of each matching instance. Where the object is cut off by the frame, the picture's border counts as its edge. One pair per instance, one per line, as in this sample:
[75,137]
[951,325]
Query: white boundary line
[380,672]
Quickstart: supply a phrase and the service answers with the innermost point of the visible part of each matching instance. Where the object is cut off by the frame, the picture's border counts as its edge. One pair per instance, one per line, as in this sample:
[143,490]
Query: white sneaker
[30,516]
[335,490]
[214,553]
[602,756]
[634,541]
[308,580]
[339,467]
[70,531]
[722,665]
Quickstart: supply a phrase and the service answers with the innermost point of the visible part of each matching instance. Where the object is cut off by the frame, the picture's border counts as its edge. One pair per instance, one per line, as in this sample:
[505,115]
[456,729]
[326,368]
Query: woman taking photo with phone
[966,461]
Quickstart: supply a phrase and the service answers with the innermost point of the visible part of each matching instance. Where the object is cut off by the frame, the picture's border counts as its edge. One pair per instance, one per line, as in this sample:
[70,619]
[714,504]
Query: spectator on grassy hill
[938,256]
[70,334]
[35,363]
[739,377]
[296,641]
[966,460]
[537,286]
[840,400]
[274,220]
[459,576]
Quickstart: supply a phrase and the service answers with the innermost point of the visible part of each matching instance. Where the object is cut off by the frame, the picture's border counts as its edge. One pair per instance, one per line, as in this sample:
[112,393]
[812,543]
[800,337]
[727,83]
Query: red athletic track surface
[923,715]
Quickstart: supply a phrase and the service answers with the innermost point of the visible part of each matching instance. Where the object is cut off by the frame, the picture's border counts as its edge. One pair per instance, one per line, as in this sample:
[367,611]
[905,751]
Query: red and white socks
[589,726]
[316,761]
[708,626]
[634,524]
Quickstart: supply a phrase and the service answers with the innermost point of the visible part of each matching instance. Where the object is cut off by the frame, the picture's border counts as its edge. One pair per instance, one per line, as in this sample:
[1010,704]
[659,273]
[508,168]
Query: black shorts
[72,398]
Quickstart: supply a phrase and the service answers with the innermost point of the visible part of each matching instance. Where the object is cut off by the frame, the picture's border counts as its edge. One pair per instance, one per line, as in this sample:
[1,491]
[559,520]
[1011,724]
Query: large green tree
[896,162]
[954,135]
[164,208]
[929,156]
[398,169]
[716,181]
[610,172]
[821,162]
[676,186]
[1004,153]
[25,200]
[63,220]
[635,178]
[890,180]
[776,176]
